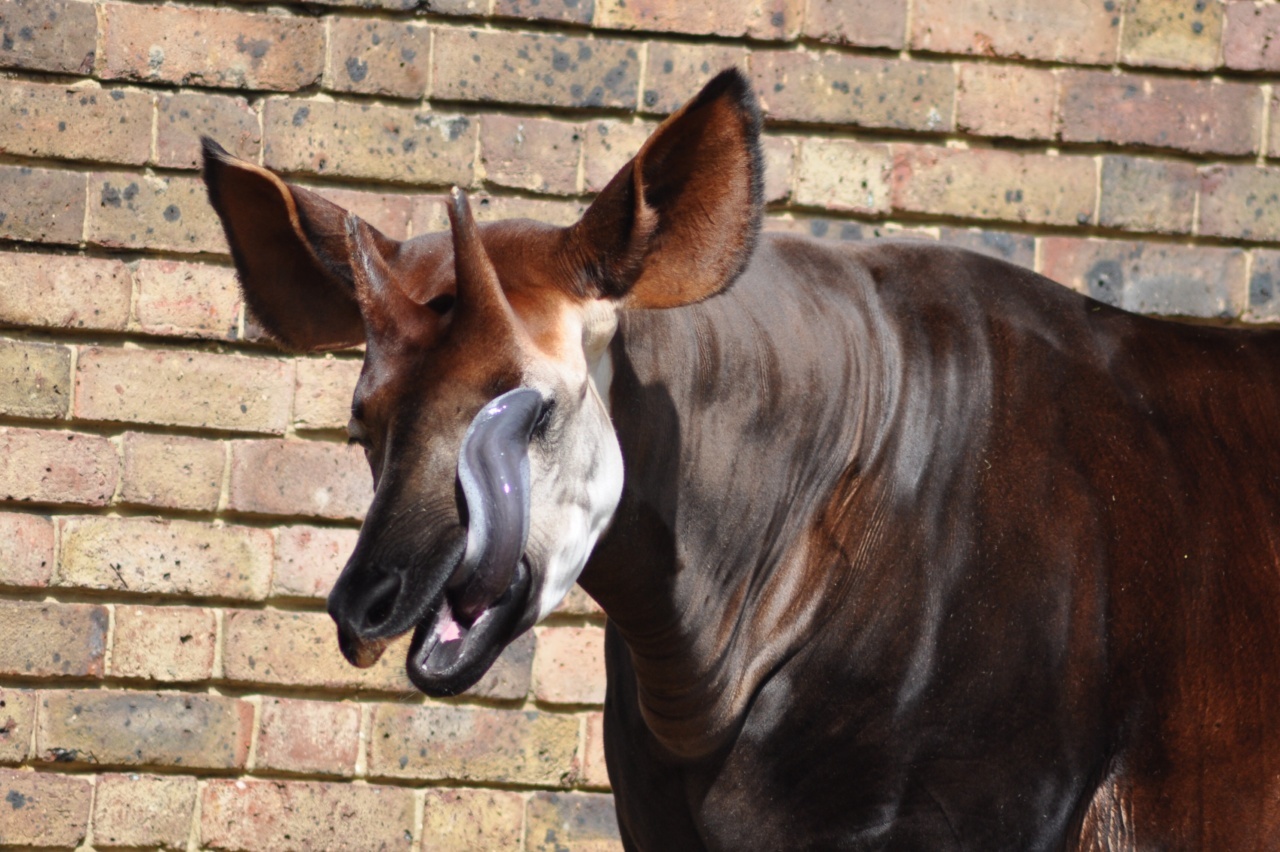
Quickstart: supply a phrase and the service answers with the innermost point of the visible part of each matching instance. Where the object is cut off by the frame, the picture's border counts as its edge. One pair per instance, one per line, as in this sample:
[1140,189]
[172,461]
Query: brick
[472,744]
[374,57]
[535,154]
[117,728]
[564,11]
[48,35]
[64,291]
[164,557]
[388,213]
[858,23]
[1148,195]
[315,737]
[578,602]
[309,478]
[75,123]
[837,88]
[41,205]
[429,214]
[1249,43]
[527,68]
[584,822]
[187,299]
[56,467]
[1240,202]
[1151,278]
[1264,287]
[1198,116]
[595,773]
[221,48]
[35,379]
[176,388]
[1273,146]
[819,228]
[164,643]
[509,677]
[1006,100]
[494,208]
[254,815]
[309,559]
[17,723]
[779,165]
[322,399]
[164,212]
[300,649]
[1082,31]
[396,144]
[143,810]
[172,471]
[1172,33]
[608,145]
[44,809]
[466,820]
[568,667]
[760,19]
[26,550]
[1015,248]
[676,71]
[839,174]
[993,184]
[52,640]
[184,117]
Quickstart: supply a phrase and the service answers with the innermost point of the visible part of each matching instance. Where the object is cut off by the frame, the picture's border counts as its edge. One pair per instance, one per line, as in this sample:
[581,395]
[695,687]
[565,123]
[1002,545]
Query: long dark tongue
[493,470]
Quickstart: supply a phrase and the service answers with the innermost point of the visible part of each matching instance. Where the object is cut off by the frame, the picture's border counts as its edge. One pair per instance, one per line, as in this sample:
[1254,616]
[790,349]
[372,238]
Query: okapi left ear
[679,222]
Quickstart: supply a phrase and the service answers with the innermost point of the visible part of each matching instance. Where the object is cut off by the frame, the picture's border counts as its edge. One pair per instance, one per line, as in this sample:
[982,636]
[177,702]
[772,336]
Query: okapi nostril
[381,602]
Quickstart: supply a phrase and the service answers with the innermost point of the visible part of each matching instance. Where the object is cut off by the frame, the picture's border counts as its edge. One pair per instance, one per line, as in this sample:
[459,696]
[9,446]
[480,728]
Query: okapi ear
[679,222]
[292,251]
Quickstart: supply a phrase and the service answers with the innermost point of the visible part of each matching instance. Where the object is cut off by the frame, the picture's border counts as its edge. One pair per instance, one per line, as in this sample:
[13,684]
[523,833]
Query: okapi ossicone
[901,546]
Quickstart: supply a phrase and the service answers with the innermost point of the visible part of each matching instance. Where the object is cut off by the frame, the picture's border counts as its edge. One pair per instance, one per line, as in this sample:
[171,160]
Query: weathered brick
[309,559]
[568,667]
[837,88]
[760,19]
[143,810]
[388,213]
[40,639]
[172,471]
[164,557]
[48,35]
[1264,287]
[376,57]
[26,550]
[187,299]
[35,379]
[839,174]
[1152,278]
[317,737]
[536,154]
[584,822]
[820,227]
[429,214]
[310,478]
[528,68]
[1084,31]
[1148,195]
[509,677]
[165,212]
[44,809]
[993,184]
[1015,248]
[779,165]
[858,23]
[467,820]
[676,71]
[176,388]
[595,773]
[1172,33]
[566,11]
[322,399]
[116,728]
[396,144]
[1199,116]
[210,47]
[41,205]
[608,145]
[472,744]
[578,602]
[493,208]
[1006,100]
[164,643]
[56,467]
[1250,43]
[64,291]
[186,116]
[257,815]
[75,123]
[1240,202]
[17,723]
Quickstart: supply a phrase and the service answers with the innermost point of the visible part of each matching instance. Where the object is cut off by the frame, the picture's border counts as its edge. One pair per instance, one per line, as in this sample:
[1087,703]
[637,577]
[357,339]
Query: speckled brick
[312,737]
[40,466]
[595,773]
[609,144]
[172,471]
[578,602]
[309,559]
[143,810]
[48,35]
[183,388]
[1182,34]
[1250,43]
[1006,100]
[528,68]
[760,19]
[51,640]
[676,71]
[493,208]
[322,399]
[210,47]
[187,299]
[568,667]
[565,11]
[164,212]
[152,556]
[584,822]
[164,643]
[41,205]
[35,379]
[261,815]
[17,723]
[117,728]
[429,214]
[43,809]
[64,291]
[467,820]
[858,23]
[509,677]
[75,123]
[1084,31]
[26,550]
[1015,248]
[184,117]
[311,478]
[376,57]
[1148,195]
[472,744]
[779,166]
[1264,287]
[534,154]
[395,144]
[839,174]
[837,88]
[388,213]
[1152,278]
[1240,202]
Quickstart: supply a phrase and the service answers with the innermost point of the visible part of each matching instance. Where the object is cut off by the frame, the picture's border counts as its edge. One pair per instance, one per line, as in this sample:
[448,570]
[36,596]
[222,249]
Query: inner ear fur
[679,222]
[292,251]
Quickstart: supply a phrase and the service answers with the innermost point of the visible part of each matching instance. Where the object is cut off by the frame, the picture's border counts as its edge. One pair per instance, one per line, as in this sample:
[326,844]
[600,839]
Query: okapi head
[482,403]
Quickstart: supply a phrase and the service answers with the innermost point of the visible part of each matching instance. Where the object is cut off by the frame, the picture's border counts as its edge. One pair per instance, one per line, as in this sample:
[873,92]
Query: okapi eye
[356,434]
[442,304]
[544,418]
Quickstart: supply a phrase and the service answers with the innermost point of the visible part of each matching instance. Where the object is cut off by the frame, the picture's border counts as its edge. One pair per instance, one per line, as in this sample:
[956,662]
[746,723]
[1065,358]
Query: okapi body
[901,546]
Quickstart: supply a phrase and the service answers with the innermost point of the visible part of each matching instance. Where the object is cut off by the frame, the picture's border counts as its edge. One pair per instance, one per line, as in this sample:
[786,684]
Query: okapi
[900,546]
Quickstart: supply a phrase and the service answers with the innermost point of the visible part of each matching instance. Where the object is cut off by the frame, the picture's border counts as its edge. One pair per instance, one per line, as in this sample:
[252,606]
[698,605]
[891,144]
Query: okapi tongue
[493,470]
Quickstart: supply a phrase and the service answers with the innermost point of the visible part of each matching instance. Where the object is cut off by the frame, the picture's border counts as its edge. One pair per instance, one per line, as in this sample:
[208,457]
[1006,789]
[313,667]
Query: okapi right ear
[292,251]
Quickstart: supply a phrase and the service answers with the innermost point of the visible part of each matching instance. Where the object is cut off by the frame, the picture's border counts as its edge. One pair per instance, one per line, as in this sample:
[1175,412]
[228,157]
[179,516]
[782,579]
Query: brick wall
[175,494]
